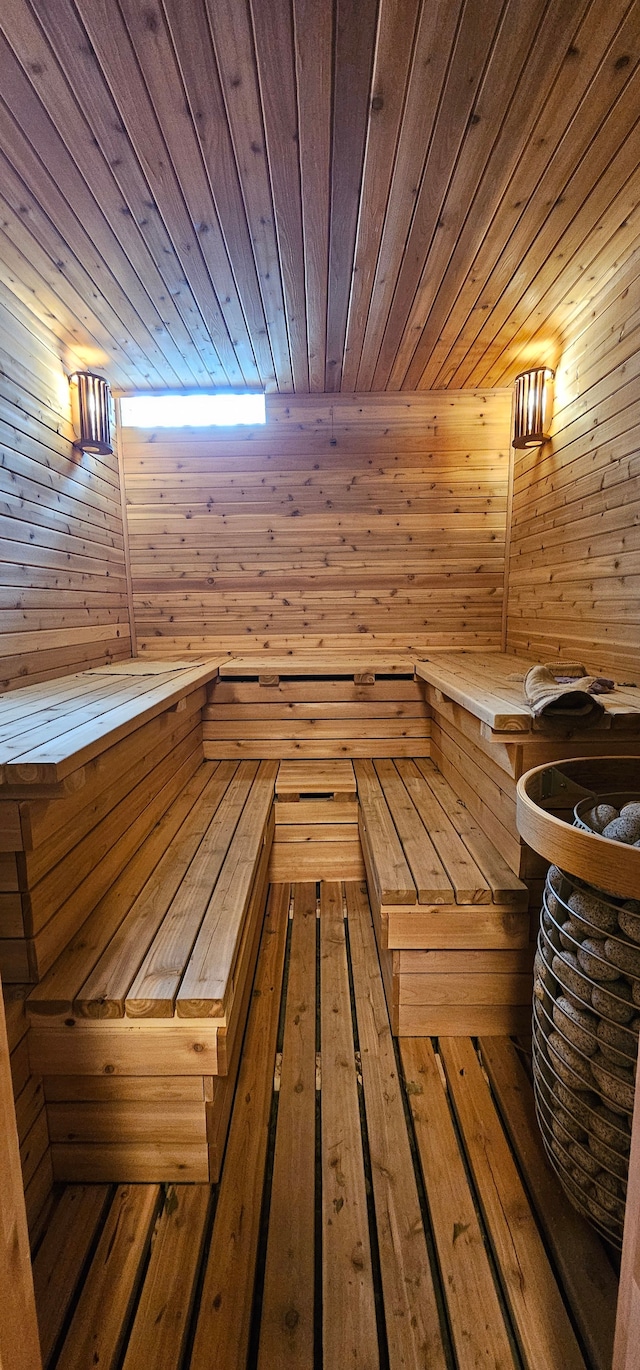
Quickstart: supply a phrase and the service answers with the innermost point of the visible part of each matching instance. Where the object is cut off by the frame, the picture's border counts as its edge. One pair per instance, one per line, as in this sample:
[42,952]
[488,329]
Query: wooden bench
[269,666]
[136,1028]
[451,918]
[49,731]
[483,738]
[316,706]
[88,765]
[490,686]
[316,823]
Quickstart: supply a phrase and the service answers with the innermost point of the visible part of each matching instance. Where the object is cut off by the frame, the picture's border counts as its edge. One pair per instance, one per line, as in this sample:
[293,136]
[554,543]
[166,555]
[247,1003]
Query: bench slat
[208,974]
[430,875]
[27,734]
[154,988]
[468,881]
[489,685]
[393,877]
[319,663]
[43,709]
[241,979]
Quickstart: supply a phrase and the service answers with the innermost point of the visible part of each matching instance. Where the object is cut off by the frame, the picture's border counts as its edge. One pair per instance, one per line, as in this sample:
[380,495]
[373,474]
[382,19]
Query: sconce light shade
[90,397]
[533,402]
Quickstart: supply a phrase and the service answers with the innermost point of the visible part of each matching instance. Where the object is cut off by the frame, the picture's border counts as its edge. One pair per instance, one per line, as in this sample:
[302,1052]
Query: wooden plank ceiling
[316,194]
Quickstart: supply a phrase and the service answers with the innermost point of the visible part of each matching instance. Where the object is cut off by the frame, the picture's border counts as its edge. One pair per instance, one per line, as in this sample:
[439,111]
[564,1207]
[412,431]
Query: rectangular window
[199,410]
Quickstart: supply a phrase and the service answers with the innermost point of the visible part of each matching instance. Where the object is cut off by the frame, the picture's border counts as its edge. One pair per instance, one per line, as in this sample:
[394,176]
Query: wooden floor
[374,1210]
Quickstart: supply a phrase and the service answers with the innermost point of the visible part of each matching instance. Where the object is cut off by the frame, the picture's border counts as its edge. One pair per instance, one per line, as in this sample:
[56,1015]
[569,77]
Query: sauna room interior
[319,684]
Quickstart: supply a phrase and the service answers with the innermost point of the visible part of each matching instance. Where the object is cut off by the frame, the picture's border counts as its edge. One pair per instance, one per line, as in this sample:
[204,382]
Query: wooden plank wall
[316,718]
[31,1118]
[19,1341]
[63,594]
[347,520]
[575,552]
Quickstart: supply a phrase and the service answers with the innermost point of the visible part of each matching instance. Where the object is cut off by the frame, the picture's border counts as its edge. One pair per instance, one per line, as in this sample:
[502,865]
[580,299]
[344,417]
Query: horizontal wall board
[573,587]
[274,532]
[63,585]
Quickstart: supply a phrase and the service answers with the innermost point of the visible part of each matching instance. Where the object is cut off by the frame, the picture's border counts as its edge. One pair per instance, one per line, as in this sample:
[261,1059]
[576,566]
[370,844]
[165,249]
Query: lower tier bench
[451,918]
[137,1027]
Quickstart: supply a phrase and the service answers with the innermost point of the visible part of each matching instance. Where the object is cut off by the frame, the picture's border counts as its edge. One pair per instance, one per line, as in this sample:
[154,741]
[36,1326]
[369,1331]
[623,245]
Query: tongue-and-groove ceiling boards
[300,194]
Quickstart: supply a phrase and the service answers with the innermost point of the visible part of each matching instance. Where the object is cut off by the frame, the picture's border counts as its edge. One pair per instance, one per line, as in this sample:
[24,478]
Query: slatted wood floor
[378,1208]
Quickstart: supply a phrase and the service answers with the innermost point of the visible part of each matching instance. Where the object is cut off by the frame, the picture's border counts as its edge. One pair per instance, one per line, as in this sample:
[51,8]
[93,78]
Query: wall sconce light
[533,402]
[90,403]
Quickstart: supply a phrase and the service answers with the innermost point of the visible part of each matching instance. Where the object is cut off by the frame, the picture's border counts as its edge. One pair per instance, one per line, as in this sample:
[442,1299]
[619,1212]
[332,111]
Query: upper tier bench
[50,731]
[451,918]
[154,990]
[88,763]
[268,667]
[489,686]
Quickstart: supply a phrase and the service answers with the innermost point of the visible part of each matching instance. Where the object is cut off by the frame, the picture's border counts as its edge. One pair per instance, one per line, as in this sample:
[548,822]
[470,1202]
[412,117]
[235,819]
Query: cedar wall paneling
[31,1118]
[574,583]
[347,520]
[63,594]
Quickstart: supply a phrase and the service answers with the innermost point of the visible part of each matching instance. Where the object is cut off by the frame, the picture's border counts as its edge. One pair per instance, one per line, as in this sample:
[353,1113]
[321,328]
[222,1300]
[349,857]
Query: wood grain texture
[61,1256]
[413,1324]
[369,522]
[222,1331]
[247,1309]
[63,589]
[162,1317]
[19,1342]
[99,1324]
[29,1105]
[199,878]
[588,1277]
[328,197]
[348,1311]
[286,1330]
[573,573]
[545,1334]
[477,1325]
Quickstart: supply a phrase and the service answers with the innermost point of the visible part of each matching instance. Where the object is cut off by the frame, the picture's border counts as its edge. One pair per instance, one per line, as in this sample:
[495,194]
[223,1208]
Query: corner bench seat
[451,918]
[49,731]
[154,988]
[489,686]
[484,737]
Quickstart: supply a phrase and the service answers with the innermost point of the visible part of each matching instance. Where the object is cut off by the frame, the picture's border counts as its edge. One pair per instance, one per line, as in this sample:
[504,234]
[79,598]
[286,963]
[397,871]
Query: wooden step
[316,818]
[334,779]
